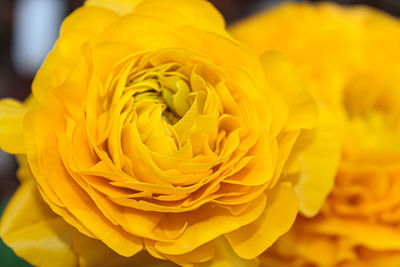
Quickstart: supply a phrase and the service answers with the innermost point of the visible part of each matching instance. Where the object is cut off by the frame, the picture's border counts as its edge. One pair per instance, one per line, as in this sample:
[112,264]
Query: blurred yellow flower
[151,128]
[349,58]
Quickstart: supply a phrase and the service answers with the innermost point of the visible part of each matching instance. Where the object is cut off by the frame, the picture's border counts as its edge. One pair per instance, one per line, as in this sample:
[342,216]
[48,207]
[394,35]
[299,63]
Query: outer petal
[92,253]
[120,6]
[12,115]
[207,223]
[197,13]
[317,151]
[316,157]
[371,235]
[43,238]
[251,240]
[299,247]
[77,209]
[78,28]
[282,75]
[383,259]
[279,29]
[226,257]
[296,245]
[34,232]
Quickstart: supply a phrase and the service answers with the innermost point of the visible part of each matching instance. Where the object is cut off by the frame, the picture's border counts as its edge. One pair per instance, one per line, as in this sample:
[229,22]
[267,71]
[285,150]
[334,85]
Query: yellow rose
[151,129]
[349,57]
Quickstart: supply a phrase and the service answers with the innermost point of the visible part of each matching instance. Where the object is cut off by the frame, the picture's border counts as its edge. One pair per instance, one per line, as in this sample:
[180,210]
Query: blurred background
[28,30]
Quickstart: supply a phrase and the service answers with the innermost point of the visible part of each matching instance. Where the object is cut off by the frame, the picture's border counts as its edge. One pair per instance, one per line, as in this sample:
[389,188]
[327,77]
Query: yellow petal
[34,232]
[251,240]
[92,252]
[196,13]
[23,173]
[76,208]
[78,28]
[104,61]
[42,238]
[31,102]
[325,27]
[321,250]
[317,153]
[206,224]
[371,235]
[120,6]
[382,259]
[200,255]
[226,257]
[12,115]
[282,75]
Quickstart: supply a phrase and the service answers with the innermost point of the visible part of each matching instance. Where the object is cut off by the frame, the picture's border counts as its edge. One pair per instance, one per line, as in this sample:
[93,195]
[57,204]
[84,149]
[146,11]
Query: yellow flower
[349,57]
[151,129]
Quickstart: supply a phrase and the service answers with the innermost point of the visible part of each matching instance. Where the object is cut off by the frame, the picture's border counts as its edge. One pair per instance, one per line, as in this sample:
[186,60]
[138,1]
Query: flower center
[163,86]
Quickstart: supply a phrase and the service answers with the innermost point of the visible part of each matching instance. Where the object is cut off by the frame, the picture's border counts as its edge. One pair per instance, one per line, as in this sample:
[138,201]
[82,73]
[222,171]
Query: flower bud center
[164,86]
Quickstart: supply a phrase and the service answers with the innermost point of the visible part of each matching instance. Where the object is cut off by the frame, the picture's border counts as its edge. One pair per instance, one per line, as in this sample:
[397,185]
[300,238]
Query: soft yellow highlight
[154,130]
[349,58]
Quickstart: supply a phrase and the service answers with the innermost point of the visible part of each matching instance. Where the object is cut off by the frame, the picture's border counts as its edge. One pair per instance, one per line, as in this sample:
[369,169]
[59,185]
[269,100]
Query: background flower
[150,128]
[349,59]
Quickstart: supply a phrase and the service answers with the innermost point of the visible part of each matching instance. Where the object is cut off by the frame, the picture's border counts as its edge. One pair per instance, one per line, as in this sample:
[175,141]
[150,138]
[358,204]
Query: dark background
[16,84]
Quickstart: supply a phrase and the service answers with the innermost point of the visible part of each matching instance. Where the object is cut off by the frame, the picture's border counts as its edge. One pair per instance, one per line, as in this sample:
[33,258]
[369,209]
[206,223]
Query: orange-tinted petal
[251,240]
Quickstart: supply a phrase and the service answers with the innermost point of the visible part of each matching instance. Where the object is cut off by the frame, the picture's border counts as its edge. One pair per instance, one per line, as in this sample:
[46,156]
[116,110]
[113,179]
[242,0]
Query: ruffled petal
[315,156]
[196,13]
[92,252]
[207,223]
[251,240]
[282,75]
[42,238]
[76,208]
[226,257]
[78,28]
